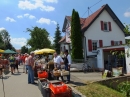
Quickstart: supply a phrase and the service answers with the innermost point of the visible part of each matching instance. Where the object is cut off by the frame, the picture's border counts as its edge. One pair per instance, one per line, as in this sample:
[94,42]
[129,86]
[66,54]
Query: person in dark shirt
[67,62]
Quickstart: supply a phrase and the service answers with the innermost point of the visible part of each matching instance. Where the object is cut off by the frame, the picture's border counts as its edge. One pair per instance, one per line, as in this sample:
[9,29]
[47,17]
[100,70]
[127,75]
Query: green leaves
[76,36]
[39,38]
[57,38]
[124,87]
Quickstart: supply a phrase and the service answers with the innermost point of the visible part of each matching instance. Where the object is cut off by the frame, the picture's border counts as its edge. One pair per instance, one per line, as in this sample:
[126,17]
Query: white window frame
[96,41]
[116,42]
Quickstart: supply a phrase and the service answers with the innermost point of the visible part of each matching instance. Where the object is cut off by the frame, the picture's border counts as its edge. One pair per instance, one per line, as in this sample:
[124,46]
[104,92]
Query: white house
[101,29]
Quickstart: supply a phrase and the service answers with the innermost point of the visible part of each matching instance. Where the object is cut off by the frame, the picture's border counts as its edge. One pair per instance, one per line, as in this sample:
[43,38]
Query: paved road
[17,86]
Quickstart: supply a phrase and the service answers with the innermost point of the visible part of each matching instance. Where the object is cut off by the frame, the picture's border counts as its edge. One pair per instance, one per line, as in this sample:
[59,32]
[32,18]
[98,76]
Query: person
[1,66]
[30,68]
[26,62]
[17,63]
[57,63]
[67,62]
[23,62]
[12,62]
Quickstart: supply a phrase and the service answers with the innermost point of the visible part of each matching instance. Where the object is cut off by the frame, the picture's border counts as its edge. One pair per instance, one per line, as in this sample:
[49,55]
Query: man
[26,63]
[30,68]
[67,62]
[57,63]
[12,62]
[16,64]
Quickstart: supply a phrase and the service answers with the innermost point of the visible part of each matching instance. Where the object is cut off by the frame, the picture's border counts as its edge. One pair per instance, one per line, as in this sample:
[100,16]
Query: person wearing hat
[67,62]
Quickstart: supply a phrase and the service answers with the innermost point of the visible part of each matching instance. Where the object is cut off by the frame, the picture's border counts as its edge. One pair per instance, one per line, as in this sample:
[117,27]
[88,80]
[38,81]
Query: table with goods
[48,85]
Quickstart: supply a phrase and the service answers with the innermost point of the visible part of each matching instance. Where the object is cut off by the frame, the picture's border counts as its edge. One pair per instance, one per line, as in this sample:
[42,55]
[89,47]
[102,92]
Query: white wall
[94,31]
[127,61]
[100,59]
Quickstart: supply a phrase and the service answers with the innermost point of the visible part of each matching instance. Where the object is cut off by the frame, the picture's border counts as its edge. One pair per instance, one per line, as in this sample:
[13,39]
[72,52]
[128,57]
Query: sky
[18,15]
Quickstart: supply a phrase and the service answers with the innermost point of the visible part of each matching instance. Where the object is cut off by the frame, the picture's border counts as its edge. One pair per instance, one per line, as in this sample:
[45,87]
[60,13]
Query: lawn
[98,90]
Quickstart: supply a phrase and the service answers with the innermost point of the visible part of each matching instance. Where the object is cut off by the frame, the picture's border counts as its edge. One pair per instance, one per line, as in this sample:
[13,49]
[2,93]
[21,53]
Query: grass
[98,90]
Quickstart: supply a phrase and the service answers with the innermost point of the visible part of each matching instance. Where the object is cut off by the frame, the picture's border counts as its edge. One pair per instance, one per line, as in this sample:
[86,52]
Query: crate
[43,85]
[68,93]
[42,74]
[58,87]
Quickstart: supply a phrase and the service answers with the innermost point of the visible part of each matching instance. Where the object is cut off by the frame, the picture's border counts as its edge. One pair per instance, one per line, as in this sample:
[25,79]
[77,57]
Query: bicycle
[86,67]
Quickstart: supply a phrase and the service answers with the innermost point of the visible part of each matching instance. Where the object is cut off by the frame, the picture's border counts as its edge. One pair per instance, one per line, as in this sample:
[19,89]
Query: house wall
[94,32]
[64,47]
[67,33]
[103,56]
[100,61]
[127,60]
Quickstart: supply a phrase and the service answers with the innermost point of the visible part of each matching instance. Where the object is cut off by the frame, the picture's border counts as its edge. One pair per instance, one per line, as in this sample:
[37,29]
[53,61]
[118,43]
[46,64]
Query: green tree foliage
[76,36]
[57,38]
[6,40]
[2,46]
[24,49]
[39,38]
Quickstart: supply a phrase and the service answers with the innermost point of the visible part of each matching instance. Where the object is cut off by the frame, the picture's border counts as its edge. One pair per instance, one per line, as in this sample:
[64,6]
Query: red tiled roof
[86,21]
[91,18]
[81,19]
[62,39]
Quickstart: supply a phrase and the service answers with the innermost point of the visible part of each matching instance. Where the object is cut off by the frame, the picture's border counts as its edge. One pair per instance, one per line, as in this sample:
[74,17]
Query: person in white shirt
[58,61]
[67,62]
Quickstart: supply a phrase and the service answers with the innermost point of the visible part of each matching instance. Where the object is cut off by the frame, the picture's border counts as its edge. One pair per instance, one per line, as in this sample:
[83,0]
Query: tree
[6,39]
[39,38]
[76,36]
[57,38]
[24,49]
[2,46]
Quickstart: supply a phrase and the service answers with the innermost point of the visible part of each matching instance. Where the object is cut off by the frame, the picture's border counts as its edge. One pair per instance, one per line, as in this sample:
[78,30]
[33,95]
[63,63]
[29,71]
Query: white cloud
[18,42]
[26,15]
[45,21]
[26,4]
[2,28]
[54,22]
[32,17]
[10,19]
[127,14]
[19,16]
[51,39]
[51,1]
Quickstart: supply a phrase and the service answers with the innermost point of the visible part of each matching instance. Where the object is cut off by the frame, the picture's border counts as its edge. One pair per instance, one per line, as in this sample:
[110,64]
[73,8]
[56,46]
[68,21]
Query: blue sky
[17,15]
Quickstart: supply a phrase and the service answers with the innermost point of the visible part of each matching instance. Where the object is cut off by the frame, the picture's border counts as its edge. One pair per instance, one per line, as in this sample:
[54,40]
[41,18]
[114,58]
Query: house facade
[100,29]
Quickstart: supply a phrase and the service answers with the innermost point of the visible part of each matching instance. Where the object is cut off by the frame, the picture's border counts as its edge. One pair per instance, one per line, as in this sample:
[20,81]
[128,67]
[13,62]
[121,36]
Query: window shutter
[120,42]
[102,28]
[100,43]
[109,23]
[90,45]
[112,43]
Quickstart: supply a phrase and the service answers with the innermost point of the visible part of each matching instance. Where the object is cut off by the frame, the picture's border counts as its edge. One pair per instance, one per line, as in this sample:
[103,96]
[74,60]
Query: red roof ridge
[62,39]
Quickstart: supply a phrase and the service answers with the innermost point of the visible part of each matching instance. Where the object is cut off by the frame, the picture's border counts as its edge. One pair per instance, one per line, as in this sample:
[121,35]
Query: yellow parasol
[1,51]
[45,50]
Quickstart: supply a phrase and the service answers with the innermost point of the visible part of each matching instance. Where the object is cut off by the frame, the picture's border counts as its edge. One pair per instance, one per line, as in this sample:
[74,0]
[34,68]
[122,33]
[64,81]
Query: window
[114,43]
[106,26]
[94,45]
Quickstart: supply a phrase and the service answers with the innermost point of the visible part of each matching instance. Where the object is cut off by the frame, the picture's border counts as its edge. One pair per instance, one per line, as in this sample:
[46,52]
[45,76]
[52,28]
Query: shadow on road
[5,77]
[75,83]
